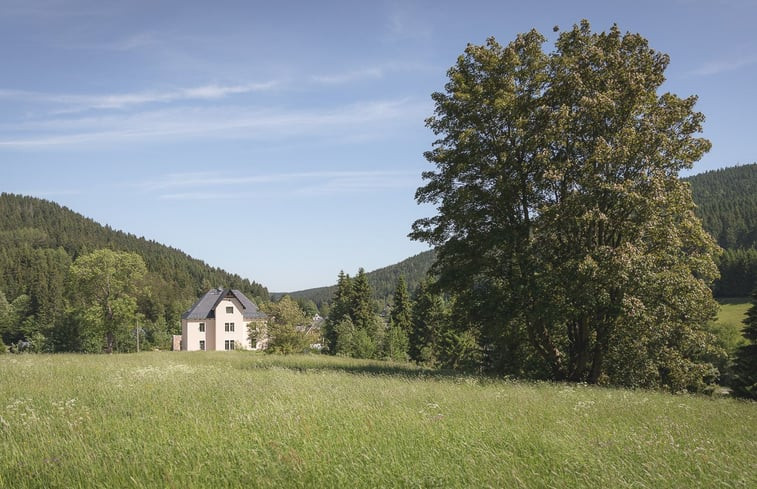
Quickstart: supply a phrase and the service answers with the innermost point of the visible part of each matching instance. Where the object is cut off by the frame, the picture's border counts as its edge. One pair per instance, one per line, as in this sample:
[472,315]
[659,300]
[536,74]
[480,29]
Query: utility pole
[137,337]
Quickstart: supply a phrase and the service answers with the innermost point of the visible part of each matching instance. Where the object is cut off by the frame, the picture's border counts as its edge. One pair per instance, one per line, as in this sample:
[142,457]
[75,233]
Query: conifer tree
[396,342]
[745,363]
[340,310]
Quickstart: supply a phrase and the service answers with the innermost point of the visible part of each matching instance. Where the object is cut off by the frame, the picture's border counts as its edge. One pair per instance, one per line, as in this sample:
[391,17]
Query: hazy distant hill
[39,239]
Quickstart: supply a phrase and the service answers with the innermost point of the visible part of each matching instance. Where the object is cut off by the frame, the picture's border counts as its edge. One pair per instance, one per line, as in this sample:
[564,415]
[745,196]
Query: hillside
[40,239]
[383,280]
[727,204]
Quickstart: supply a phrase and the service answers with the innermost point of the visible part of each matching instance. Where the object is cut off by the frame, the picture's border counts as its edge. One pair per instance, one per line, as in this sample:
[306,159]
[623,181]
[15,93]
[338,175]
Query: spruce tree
[340,310]
[745,363]
[400,322]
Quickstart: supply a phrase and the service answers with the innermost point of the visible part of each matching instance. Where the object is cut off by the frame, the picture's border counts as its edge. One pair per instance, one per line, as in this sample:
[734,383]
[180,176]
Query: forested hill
[727,204]
[382,281]
[40,239]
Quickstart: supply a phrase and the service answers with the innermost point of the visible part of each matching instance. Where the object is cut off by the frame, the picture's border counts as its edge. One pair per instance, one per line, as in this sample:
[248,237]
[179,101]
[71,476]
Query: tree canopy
[108,283]
[561,218]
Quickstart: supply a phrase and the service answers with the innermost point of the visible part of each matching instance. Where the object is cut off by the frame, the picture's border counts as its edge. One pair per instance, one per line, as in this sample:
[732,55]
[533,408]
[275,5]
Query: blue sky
[283,140]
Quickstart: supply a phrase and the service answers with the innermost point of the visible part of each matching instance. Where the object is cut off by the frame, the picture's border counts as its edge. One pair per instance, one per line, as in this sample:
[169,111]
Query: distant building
[220,320]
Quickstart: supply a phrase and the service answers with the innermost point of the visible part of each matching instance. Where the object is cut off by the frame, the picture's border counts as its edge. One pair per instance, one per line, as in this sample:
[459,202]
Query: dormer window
[229,309]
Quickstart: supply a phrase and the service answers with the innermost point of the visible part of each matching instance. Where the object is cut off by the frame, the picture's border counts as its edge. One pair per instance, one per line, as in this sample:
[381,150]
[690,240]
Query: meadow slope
[246,419]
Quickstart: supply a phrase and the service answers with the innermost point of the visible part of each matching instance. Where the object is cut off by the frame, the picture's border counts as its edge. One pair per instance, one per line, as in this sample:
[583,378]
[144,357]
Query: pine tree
[340,310]
[396,342]
[401,314]
[428,317]
[745,363]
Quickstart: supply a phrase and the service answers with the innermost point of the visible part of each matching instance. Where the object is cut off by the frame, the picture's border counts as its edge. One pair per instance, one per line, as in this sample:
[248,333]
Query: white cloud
[724,65]
[215,187]
[367,73]
[80,103]
[214,123]
[349,76]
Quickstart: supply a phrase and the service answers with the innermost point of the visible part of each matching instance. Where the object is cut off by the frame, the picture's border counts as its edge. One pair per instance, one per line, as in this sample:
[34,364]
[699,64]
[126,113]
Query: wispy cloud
[211,186]
[78,103]
[725,65]
[375,72]
[214,123]
[349,76]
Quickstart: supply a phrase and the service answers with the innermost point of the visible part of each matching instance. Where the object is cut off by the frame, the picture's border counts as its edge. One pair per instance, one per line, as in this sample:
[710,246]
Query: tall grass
[243,419]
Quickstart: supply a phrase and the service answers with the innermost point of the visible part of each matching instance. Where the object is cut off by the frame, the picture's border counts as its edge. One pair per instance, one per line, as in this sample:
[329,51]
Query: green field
[729,322]
[244,419]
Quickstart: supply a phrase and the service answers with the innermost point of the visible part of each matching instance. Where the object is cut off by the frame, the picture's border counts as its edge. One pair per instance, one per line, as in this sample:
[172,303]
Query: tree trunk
[109,341]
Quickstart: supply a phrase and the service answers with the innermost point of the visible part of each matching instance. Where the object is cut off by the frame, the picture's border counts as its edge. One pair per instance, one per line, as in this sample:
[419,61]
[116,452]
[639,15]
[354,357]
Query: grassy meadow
[244,419]
[729,323]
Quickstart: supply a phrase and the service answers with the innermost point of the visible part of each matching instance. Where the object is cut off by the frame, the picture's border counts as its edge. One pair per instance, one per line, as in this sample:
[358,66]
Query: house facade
[220,320]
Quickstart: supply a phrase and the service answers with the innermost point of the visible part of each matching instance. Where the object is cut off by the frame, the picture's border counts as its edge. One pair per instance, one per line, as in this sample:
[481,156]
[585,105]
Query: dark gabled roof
[205,308]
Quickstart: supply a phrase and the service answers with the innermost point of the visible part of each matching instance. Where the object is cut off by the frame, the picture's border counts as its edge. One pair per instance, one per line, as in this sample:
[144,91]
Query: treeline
[382,282]
[39,241]
[355,328]
[727,204]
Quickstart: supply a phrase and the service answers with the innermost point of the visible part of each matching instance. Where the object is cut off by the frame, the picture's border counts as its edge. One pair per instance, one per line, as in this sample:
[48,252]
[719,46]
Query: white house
[220,320]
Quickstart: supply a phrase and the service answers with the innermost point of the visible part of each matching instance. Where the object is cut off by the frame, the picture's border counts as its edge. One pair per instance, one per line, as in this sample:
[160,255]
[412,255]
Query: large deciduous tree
[108,284]
[557,190]
[286,326]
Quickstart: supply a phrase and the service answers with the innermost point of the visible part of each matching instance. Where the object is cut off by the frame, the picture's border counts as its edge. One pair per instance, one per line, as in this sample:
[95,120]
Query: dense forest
[727,204]
[39,240]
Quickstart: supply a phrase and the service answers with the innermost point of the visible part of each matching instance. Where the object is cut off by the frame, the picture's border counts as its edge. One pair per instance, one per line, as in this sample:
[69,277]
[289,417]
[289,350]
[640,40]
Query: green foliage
[728,325]
[352,327]
[107,285]
[745,362]
[727,204]
[738,273]
[402,307]
[562,224]
[338,312]
[396,340]
[38,242]
[430,316]
[270,421]
[286,326]
[396,343]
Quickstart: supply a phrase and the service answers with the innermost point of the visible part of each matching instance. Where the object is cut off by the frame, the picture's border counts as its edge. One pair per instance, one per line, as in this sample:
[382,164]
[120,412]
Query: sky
[283,141]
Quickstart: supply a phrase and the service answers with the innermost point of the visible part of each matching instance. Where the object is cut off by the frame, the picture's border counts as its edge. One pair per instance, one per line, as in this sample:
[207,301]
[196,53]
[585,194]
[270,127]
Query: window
[228,345]
[229,309]
[202,327]
[202,345]
[229,327]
